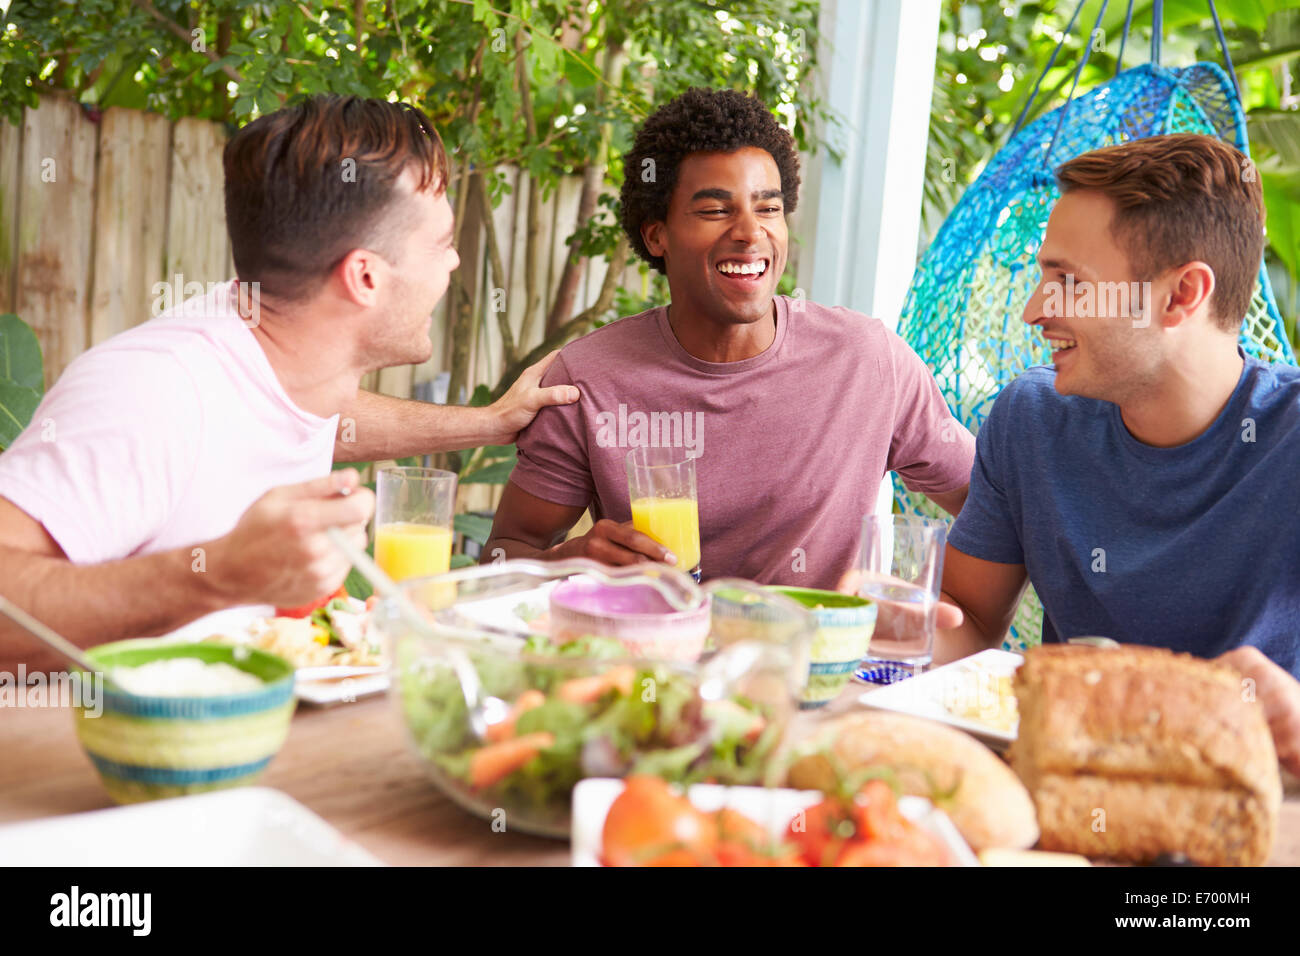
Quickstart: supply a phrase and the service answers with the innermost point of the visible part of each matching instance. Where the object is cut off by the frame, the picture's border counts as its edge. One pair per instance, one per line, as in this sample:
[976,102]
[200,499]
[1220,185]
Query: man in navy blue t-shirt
[1148,482]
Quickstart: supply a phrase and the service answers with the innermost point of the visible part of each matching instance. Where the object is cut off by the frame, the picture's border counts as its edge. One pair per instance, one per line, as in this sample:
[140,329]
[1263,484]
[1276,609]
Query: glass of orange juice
[665,503]
[413,511]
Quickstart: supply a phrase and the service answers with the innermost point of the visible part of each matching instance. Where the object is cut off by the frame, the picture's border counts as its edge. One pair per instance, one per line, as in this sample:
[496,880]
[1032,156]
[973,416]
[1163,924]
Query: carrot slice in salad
[504,730]
[495,762]
[585,690]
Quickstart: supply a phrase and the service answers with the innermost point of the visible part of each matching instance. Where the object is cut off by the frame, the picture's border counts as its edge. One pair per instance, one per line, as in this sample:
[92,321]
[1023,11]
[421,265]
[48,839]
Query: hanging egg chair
[963,312]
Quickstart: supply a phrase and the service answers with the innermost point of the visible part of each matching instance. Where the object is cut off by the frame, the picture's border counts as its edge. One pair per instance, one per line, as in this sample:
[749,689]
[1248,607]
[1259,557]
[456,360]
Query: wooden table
[350,764]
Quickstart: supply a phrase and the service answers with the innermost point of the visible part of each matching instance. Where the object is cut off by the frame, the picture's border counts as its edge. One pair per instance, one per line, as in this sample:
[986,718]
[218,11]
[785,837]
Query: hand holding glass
[665,504]
[902,571]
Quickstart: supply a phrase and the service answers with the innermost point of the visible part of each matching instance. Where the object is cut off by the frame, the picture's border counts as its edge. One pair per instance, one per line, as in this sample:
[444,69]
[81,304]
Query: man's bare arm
[987,594]
[951,501]
[377,427]
[278,554]
[526,526]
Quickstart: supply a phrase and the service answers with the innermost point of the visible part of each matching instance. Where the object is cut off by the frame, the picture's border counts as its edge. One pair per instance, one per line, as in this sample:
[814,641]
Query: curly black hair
[698,121]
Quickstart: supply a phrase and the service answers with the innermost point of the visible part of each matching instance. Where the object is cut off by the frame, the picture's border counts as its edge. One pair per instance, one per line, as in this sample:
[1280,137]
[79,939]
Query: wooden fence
[94,213]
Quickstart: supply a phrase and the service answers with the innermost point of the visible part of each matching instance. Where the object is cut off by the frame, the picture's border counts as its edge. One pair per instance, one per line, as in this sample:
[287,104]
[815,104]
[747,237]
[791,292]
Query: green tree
[555,87]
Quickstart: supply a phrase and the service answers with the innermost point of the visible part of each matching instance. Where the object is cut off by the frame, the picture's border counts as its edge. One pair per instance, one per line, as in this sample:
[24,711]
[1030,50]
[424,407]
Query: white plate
[321,685]
[924,696]
[246,826]
[772,808]
[342,690]
[502,613]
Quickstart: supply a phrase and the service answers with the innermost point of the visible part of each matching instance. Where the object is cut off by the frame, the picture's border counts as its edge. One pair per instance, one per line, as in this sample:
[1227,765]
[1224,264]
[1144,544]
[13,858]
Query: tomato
[306,609]
[871,853]
[740,854]
[875,812]
[735,827]
[922,848]
[819,831]
[648,821]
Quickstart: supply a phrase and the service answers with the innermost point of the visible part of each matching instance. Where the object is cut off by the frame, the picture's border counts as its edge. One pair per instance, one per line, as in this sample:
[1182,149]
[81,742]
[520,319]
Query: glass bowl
[506,721]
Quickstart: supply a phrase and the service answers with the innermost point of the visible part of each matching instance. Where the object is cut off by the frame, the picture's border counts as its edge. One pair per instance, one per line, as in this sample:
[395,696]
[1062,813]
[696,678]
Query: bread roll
[981,795]
[1133,752]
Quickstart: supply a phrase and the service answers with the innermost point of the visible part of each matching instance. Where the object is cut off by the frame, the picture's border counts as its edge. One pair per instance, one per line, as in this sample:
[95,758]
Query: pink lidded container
[636,615]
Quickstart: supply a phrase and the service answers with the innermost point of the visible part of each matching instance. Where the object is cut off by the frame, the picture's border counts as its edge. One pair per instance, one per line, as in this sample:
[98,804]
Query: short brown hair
[309,183]
[1182,198]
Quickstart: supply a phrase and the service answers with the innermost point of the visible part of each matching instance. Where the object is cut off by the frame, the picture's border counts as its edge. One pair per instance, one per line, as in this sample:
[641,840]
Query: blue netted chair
[963,312]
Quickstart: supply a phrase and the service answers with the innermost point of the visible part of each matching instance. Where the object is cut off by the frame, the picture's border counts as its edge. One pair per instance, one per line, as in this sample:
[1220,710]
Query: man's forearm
[95,603]
[377,427]
[958,642]
[510,548]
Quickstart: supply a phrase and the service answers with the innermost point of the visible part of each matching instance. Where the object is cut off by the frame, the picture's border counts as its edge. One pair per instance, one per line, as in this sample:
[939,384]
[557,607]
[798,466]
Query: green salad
[568,722]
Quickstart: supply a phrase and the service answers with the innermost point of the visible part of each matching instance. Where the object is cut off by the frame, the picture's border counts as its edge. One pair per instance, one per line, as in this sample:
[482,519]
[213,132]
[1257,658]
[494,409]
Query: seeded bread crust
[1167,752]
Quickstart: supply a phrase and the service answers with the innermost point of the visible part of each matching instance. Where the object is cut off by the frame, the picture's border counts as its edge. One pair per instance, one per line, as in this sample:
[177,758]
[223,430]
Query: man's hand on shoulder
[516,409]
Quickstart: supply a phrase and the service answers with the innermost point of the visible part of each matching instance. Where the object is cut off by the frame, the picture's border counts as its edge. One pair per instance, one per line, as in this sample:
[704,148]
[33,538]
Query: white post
[877,76]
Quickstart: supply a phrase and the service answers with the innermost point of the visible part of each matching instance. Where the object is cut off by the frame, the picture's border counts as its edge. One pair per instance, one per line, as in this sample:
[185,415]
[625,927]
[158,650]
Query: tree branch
[575,325]
[532,296]
[593,177]
[184,35]
[498,270]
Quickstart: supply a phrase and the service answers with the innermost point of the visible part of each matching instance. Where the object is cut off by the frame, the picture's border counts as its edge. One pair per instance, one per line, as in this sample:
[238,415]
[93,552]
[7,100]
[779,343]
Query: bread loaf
[1133,752]
[981,795]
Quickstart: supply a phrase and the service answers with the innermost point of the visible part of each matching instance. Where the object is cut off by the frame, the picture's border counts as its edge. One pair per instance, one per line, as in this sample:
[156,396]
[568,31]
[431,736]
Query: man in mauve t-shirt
[793,411]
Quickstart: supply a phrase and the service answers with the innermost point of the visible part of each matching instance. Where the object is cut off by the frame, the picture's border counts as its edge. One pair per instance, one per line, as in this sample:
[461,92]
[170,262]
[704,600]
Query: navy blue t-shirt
[1195,548]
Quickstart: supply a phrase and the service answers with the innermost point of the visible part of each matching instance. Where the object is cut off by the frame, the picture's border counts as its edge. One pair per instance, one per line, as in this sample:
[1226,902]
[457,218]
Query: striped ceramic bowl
[844,627]
[148,748]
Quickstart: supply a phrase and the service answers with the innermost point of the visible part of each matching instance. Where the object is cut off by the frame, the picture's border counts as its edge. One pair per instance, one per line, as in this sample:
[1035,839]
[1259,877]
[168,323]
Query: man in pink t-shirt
[794,412]
[183,467]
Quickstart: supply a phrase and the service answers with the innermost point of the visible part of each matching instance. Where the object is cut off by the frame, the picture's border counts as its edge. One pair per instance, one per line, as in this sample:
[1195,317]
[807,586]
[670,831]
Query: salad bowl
[561,709]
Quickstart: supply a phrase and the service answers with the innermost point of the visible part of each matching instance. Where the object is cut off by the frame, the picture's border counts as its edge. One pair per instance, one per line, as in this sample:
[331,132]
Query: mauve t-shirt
[790,445]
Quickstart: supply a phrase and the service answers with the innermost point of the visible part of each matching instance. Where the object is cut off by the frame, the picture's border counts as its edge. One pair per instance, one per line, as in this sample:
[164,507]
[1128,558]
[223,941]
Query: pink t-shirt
[791,445]
[162,436]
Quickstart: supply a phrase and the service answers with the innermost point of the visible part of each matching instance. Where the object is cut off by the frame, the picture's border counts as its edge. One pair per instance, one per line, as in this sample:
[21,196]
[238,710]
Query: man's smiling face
[1098,351]
[724,242]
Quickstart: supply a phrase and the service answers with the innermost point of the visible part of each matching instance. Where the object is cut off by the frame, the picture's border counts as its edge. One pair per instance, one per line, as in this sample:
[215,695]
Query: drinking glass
[413,512]
[665,503]
[902,571]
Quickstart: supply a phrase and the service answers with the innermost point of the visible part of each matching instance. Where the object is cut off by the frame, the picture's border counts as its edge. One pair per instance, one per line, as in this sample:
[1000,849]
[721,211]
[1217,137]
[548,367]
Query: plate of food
[337,656]
[973,694]
[642,821]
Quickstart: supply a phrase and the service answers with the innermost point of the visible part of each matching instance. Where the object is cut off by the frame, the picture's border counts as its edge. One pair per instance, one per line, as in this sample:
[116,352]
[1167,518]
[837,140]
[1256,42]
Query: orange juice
[406,550]
[674,523]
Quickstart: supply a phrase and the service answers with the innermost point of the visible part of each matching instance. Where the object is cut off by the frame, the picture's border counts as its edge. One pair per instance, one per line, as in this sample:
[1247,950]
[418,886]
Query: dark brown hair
[698,121]
[309,183]
[1182,198]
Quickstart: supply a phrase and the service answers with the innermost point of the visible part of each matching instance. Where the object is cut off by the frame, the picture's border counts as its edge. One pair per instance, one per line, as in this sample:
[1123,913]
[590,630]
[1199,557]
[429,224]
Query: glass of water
[902,571]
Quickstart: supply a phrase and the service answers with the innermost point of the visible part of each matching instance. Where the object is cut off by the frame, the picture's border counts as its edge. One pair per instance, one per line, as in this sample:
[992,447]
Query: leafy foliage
[22,377]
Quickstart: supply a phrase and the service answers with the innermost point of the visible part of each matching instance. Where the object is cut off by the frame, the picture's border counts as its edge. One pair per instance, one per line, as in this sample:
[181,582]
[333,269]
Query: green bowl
[149,748]
[844,626]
